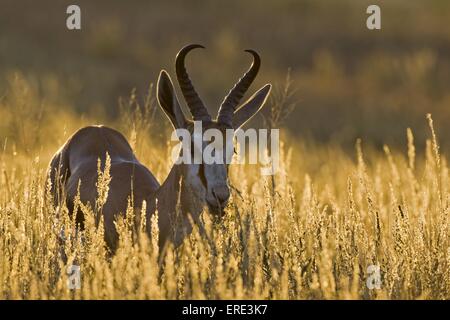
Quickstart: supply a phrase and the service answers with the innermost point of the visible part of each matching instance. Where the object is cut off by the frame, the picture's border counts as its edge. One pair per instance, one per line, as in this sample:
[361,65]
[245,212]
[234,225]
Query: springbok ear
[168,101]
[251,107]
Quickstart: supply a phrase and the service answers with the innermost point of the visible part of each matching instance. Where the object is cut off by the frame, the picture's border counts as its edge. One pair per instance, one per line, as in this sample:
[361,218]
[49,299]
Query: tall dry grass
[309,233]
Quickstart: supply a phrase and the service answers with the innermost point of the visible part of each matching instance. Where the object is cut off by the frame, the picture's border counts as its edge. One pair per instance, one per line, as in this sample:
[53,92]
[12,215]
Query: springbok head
[209,182]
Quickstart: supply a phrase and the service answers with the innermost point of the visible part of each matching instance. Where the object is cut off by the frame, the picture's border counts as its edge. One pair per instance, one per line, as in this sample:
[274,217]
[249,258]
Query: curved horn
[231,101]
[195,104]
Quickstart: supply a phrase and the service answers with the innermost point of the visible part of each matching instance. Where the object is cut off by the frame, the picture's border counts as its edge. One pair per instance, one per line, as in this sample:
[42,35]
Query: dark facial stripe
[201,174]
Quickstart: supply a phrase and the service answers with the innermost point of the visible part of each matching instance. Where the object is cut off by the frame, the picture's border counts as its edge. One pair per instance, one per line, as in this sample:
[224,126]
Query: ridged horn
[195,104]
[235,95]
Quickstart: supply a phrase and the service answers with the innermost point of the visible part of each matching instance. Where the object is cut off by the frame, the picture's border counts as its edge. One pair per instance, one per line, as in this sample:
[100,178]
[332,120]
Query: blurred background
[348,82]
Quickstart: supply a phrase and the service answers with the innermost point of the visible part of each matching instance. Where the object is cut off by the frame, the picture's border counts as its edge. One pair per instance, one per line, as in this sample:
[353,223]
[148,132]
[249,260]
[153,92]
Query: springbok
[188,188]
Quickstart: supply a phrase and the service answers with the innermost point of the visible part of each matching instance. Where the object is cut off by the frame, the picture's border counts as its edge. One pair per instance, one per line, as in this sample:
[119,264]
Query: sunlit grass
[309,233]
